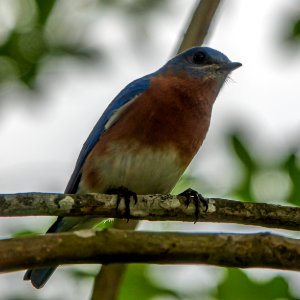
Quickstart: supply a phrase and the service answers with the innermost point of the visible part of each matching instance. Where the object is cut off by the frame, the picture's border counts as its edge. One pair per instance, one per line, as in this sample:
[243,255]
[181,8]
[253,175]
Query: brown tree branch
[263,250]
[150,207]
[108,281]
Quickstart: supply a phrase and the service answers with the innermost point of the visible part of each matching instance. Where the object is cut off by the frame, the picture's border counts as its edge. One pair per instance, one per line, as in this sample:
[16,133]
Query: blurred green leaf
[45,7]
[243,191]
[22,233]
[79,274]
[296,29]
[24,49]
[243,153]
[291,34]
[107,223]
[237,286]
[138,286]
[291,166]
[32,38]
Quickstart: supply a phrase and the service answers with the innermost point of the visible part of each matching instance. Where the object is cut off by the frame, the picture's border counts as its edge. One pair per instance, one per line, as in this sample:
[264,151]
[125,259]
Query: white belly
[145,171]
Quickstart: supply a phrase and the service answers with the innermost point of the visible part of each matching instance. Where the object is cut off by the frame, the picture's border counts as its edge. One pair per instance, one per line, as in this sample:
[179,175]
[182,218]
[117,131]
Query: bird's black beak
[230,66]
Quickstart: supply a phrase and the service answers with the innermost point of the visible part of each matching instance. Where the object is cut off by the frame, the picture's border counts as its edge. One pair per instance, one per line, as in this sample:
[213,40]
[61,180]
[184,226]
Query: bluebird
[147,136]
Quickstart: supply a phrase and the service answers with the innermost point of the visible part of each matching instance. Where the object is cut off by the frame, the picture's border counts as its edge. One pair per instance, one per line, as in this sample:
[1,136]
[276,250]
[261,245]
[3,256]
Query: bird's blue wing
[128,93]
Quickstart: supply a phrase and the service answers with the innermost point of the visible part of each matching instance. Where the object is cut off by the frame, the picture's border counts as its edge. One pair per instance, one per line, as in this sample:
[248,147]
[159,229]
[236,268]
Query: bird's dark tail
[39,277]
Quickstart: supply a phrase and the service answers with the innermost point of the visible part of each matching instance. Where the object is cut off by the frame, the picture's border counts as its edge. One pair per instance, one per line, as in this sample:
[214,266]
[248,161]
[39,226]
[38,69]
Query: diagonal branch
[199,24]
[263,250]
[150,207]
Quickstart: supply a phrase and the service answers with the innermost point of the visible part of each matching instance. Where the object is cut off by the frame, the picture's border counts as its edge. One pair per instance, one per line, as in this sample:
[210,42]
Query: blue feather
[129,92]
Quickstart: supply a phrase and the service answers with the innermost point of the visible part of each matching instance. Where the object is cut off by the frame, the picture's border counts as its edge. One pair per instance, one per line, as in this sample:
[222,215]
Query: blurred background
[62,62]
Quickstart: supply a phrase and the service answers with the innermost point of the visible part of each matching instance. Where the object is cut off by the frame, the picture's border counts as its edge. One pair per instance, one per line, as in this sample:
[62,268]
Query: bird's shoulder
[131,91]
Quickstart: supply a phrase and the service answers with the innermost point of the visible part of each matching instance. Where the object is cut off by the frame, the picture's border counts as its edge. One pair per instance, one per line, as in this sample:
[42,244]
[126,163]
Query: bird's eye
[199,58]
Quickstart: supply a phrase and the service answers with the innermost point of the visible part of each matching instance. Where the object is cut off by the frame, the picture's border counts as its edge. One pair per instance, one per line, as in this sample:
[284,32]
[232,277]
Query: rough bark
[263,250]
[150,207]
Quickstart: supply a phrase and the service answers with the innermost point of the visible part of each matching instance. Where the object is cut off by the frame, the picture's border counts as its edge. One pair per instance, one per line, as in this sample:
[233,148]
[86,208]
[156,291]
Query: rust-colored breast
[174,111]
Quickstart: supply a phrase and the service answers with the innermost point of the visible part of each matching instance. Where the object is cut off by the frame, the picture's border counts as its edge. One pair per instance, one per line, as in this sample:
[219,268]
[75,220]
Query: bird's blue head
[202,62]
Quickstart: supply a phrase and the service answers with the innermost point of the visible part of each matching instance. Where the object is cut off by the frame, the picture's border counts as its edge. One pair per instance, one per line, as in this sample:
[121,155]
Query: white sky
[40,144]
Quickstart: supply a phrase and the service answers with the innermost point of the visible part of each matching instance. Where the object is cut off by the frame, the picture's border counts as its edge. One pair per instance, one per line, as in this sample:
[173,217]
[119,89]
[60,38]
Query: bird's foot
[197,198]
[126,194]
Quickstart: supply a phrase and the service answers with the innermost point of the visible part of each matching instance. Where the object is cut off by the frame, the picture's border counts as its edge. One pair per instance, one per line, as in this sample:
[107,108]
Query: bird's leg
[197,198]
[126,194]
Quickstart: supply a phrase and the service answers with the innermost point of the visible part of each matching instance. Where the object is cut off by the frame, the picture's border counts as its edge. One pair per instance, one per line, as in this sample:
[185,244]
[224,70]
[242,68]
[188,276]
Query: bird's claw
[197,198]
[126,194]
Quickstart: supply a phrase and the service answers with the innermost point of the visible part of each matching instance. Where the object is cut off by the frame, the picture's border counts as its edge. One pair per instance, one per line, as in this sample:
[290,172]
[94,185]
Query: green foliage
[292,167]
[293,31]
[44,10]
[240,150]
[238,286]
[27,44]
[79,274]
[296,29]
[23,233]
[33,38]
[137,284]
[253,166]
[107,223]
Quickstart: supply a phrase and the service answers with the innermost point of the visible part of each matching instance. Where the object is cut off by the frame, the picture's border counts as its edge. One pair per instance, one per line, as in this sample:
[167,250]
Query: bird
[147,136]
